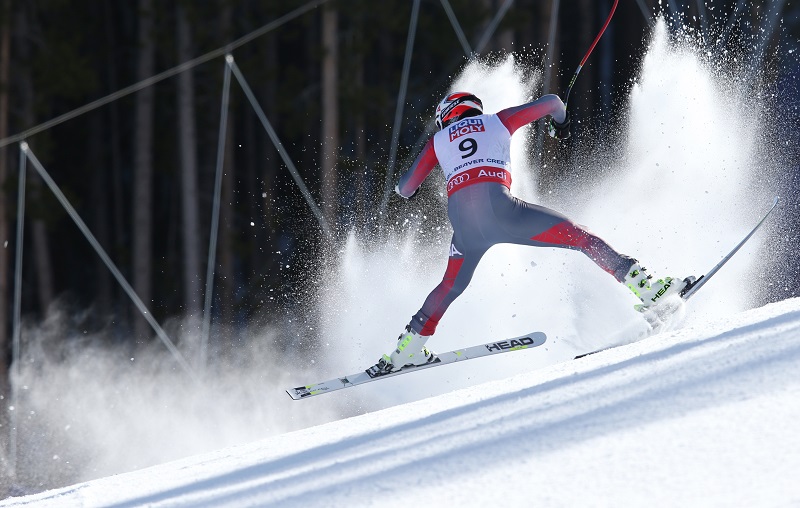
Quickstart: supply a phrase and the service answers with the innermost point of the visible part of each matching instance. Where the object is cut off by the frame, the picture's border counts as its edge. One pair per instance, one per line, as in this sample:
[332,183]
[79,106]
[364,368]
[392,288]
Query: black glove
[559,130]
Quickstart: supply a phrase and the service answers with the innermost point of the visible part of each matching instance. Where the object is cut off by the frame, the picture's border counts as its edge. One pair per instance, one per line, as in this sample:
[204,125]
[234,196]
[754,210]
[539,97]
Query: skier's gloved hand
[559,130]
[397,191]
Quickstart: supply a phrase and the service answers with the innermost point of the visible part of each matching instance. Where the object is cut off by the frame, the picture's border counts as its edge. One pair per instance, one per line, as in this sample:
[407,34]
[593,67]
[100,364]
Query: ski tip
[539,337]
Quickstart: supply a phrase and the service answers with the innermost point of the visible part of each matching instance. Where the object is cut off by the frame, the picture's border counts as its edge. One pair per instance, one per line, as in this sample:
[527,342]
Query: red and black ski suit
[474,154]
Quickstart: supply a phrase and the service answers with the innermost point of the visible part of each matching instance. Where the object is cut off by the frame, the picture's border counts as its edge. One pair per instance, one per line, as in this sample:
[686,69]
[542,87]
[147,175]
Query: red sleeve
[419,171]
[516,117]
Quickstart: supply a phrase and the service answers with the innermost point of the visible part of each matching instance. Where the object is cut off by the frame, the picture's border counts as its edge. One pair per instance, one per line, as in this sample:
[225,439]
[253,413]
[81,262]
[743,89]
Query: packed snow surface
[702,416]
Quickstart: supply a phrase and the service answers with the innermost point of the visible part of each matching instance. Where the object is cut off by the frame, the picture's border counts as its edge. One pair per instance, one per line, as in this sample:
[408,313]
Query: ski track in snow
[701,416]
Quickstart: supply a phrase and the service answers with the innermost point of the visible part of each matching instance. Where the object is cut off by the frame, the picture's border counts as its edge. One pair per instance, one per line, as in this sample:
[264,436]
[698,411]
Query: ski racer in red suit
[474,151]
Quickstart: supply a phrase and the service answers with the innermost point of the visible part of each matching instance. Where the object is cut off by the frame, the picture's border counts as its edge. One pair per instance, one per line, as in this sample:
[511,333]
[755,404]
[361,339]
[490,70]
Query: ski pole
[591,48]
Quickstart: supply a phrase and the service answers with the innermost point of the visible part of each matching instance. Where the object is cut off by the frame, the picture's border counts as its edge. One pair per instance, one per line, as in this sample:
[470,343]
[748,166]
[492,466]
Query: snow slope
[702,416]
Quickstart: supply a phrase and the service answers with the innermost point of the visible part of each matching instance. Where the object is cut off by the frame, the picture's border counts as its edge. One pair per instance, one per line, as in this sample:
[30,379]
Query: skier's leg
[625,269]
[531,224]
[411,348]
[569,235]
[460,268]
[528,224]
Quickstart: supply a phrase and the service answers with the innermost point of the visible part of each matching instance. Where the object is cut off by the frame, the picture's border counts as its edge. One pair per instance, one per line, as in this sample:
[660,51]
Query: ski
[695,285]
[529,341]
[692,288]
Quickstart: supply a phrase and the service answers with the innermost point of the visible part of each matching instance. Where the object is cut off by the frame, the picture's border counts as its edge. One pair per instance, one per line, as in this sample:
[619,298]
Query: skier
[474,151]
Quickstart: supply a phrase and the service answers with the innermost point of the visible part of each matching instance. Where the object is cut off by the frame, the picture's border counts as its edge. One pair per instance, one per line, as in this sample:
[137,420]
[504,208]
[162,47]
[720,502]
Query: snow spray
[675,189]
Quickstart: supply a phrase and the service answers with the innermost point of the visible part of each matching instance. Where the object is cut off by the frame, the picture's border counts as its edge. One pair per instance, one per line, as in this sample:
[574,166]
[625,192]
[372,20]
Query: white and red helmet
[456,106]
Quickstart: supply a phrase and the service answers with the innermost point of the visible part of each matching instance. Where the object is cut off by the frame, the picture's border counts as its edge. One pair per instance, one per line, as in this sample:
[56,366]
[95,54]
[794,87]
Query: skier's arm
[418,172]
[517,116]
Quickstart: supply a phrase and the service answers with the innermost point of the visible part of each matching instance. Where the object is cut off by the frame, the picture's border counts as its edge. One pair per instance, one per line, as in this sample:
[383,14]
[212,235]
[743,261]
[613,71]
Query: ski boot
[652,292]
[410,351]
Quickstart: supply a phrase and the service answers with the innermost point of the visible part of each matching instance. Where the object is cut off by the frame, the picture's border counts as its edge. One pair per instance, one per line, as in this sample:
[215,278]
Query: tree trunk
[143,170]
[118,199]
[190,228]
[606,63]
[5,243]
[548,33]
[583,93]
[5,230]
[226,272]
[330,113]
[272,160]
[101,213]
[41,253]
[41,248]
[359,124]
